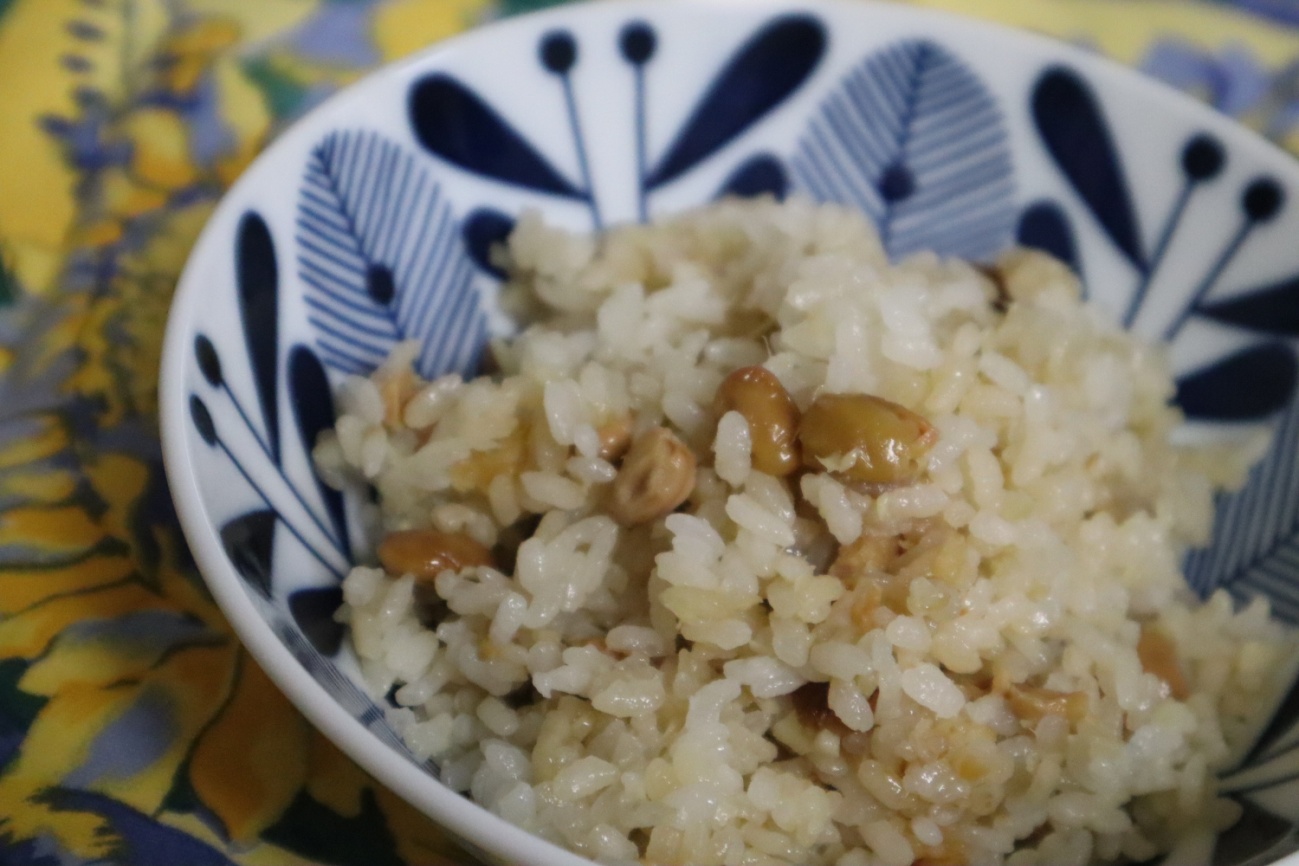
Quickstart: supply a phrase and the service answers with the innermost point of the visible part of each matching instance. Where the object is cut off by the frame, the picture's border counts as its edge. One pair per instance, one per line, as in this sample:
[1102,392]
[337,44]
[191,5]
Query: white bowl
[368,222]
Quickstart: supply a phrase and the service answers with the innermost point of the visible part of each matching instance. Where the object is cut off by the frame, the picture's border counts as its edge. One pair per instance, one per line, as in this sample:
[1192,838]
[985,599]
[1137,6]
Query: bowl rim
[453,811]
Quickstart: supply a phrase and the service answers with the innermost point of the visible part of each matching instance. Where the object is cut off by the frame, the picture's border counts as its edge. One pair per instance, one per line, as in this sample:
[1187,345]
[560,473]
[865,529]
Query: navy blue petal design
[483,230]
[313,407]
[1272,309]
[1256,531]
[313,610]
[1202,158]
[249,541]
[383,268]
[763,73]
[453,122]
[257,275]
[209,362]
[913,138]
[1262,200]
[202,418]
[1073,128]
[558,51]
[637,43]
[1045,226]
[1247,386]
[759,175]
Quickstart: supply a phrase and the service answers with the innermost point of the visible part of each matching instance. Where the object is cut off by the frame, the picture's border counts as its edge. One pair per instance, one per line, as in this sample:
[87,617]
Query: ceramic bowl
[369,222]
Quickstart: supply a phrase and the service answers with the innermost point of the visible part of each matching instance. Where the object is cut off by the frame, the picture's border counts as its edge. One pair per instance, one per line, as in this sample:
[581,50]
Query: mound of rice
[990,659]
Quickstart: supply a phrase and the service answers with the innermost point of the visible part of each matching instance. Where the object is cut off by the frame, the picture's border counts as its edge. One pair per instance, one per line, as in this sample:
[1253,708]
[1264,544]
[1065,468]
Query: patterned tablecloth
[134,729]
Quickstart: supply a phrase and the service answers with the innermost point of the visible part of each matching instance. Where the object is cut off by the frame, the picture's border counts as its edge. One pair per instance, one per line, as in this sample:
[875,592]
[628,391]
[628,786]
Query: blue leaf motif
[914,139]
[762,74]
[455,123]
[386,267]
[1256,531]
[1272,309]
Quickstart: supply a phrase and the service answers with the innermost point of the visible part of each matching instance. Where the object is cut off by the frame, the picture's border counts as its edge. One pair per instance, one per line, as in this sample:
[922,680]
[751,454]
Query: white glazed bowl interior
[951,134]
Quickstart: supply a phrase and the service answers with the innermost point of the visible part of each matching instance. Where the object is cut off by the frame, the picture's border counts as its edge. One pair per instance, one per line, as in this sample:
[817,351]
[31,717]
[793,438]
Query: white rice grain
[928,686]
[731,448]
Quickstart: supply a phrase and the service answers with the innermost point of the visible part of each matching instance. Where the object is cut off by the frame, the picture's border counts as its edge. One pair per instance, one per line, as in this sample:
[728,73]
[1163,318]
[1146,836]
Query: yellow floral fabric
[134,729]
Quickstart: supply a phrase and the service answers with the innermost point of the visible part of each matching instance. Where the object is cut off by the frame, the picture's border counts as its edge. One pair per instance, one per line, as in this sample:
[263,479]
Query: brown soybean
[657,475]
[615,437]
[758,395]
[1158,656]
[865,439]
[426,553]
[1033,704]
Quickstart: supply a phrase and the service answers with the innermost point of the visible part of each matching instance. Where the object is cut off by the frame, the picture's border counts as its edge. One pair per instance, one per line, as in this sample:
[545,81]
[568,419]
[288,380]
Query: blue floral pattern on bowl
[396,206]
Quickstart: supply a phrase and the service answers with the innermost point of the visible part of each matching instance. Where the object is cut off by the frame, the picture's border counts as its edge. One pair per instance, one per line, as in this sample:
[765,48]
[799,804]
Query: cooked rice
[699,689]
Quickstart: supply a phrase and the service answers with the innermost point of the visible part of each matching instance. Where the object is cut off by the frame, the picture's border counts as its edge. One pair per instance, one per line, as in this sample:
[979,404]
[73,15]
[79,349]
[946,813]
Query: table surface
[134,729]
